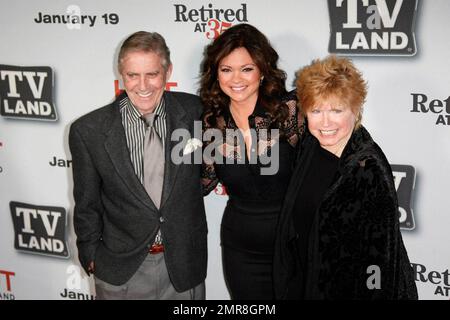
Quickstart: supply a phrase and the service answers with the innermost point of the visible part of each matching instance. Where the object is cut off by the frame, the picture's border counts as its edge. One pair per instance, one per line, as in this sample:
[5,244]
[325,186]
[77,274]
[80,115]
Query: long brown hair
[272,87]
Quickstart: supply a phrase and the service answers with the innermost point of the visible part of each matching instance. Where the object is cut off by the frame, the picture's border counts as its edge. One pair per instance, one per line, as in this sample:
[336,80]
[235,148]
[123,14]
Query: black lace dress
[256,186]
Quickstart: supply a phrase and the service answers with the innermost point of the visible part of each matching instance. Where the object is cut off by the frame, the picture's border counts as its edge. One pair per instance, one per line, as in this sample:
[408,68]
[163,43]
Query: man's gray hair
[146,42]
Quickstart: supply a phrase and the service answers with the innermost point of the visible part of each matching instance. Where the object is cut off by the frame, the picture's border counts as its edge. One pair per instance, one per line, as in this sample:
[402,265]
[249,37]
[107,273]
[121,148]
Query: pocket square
[191,146]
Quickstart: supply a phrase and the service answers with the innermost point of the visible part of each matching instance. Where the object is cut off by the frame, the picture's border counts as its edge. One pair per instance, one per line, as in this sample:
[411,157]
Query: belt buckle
[156,248]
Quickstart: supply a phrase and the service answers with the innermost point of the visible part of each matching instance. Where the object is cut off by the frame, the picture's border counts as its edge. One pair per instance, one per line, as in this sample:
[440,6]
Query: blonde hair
[331,77]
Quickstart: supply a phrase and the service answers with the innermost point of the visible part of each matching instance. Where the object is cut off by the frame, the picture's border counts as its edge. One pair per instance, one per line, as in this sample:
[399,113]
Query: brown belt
[156,248]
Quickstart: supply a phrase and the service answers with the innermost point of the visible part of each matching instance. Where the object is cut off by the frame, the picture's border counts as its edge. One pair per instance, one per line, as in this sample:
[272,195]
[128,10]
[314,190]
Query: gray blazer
[114,218]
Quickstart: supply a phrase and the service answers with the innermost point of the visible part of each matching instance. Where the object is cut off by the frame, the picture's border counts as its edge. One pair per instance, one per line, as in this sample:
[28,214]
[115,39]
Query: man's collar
[160,109]
[135,115]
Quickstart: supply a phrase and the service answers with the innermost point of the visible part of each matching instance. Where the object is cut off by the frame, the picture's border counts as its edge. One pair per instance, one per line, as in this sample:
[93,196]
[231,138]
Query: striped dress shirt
[135,128]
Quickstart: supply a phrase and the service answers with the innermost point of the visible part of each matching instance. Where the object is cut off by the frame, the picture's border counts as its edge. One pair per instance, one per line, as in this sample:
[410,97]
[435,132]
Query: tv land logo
[439,279]
[421,103]
[404,180]
[6,285]
[27,93]
[372,27]
[210,20]
[39,229]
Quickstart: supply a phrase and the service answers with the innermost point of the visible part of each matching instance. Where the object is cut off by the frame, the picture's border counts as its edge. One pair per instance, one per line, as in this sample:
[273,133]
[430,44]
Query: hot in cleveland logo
[372,27]
[210,20]
[39,229]
[27,93]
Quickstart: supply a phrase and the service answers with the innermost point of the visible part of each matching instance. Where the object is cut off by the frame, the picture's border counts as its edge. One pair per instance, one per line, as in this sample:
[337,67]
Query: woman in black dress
[254,123]
[339,235]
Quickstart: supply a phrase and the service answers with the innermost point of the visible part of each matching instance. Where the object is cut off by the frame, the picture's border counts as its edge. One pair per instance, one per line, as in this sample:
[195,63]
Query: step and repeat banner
[57,62]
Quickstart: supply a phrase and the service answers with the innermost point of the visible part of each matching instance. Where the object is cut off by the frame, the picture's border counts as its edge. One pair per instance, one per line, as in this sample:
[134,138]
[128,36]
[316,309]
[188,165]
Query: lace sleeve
[209,178]
[293,127]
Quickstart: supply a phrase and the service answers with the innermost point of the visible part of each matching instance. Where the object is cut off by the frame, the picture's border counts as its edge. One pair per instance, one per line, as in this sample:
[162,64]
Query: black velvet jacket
[356,226]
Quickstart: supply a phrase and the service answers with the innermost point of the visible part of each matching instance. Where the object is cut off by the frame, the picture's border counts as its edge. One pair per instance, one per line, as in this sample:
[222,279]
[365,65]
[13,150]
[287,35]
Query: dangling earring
[261,80]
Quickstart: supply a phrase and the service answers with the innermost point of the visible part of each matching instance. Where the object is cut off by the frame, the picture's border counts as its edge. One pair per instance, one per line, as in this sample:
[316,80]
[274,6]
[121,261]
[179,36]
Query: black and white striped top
[135,128]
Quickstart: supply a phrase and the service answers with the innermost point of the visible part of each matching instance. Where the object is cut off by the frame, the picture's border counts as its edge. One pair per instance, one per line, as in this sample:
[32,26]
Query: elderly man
[139,217]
